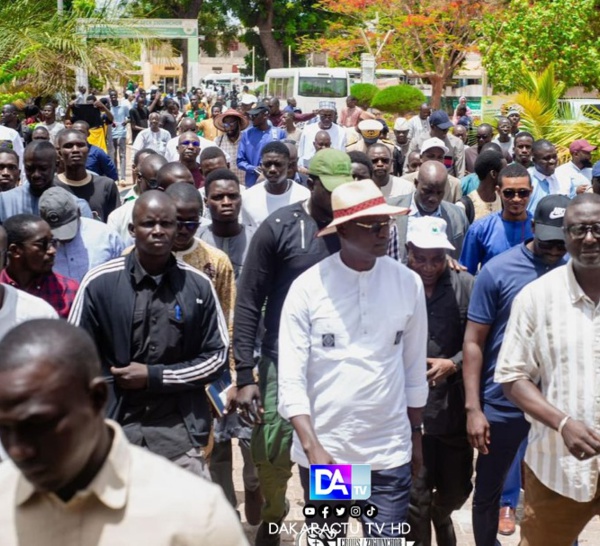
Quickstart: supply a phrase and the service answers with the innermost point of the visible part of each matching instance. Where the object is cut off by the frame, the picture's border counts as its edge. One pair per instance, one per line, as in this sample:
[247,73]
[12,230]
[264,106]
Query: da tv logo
[340,482]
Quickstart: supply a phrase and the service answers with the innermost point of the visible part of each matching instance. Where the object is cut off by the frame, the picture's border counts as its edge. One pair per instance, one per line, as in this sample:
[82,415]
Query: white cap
[433,143]
[370,125]
[428,232]
[401,125]
[248,99]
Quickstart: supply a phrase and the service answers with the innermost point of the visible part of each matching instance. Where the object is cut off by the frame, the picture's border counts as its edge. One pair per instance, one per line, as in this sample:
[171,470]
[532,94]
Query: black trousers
[443,485]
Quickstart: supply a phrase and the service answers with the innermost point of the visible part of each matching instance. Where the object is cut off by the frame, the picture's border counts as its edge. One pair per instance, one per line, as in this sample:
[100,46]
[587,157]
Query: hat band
[340,213]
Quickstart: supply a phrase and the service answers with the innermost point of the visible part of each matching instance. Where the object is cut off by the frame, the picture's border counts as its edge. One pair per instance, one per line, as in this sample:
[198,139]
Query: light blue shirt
[469,183]
[546,185]
[20,200]
[120,114]
[252,142]
[94,244]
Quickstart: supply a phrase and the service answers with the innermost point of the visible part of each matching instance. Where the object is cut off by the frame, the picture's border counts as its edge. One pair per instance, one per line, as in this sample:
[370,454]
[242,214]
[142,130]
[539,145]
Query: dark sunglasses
[384,160]
[549,245]
[375,227]
[522,193]
[579,231]
[193,143]
[188,226]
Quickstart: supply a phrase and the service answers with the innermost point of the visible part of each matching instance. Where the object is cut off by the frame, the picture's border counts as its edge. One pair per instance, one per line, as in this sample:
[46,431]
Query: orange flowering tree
[430,38]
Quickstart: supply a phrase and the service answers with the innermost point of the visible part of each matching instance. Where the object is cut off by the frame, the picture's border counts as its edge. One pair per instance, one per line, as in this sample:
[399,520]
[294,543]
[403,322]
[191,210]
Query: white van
[309,86]
[226,79]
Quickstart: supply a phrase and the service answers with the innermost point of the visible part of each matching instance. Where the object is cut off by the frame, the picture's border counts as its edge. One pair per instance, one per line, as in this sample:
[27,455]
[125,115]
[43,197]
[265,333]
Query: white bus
[309,86]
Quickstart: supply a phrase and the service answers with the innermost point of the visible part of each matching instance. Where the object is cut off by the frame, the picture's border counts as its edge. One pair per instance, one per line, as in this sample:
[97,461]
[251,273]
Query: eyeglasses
[522,193]
[375,227]
[194,143]
[188,226]
[44,244]
[580,231]
[549,245]
[384,160]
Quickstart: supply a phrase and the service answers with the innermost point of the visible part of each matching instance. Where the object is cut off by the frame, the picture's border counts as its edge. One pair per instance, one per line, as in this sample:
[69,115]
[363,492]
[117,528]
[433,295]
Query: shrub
[364,93]
[398,99]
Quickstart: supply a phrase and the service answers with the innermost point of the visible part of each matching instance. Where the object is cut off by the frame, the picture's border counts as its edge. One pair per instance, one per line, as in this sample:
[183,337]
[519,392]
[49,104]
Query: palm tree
[545,116]
[44,49]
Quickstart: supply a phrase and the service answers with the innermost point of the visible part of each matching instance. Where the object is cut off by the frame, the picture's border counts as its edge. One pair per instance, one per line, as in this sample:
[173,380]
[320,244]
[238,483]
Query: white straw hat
[355,200]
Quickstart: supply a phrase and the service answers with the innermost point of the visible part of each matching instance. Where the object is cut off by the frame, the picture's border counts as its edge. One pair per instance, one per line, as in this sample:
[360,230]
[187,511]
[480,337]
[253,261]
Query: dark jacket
[456,229]
[284,246]
[104,307]
[444,413]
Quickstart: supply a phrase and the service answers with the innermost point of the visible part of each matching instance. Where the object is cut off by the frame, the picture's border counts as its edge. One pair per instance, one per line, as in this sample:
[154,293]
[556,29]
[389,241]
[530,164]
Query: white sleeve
[415,351]
[294,351]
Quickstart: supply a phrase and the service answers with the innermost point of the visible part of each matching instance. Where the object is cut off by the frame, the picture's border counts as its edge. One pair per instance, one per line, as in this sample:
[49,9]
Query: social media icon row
[340,511]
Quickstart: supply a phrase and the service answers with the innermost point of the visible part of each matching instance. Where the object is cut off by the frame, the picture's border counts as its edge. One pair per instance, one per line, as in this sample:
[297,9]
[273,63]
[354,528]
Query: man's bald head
[172,173]
[52,342]
[148,170]
[83,127]
[187,124]
[153,199]
[430,183]
[52,400]
[40,148]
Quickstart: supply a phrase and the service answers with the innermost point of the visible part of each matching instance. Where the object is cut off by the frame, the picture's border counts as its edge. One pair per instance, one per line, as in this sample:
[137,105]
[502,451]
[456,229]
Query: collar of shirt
[414,210]
[7,279]
[110,484]
[576,293]
[441,286]
[179,254]
[542,177]
[138,273]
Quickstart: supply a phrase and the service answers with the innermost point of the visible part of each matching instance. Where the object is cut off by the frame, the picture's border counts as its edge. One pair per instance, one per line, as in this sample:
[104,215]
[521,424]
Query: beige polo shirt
[137,498]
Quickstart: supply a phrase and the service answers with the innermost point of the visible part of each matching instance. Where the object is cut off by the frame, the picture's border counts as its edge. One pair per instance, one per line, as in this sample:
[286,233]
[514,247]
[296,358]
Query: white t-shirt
[20,307]
[257,204]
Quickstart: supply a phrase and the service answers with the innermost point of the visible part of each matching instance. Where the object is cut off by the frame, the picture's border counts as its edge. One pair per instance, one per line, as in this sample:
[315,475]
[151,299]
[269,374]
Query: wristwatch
[417,428]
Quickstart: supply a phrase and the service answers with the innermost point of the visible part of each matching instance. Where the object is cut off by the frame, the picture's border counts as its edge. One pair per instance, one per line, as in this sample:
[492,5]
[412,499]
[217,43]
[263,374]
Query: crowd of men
[308,289]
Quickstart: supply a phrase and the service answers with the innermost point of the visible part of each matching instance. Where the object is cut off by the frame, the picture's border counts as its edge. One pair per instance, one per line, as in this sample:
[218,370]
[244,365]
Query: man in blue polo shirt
[495,426]
[254,140]
[502,230]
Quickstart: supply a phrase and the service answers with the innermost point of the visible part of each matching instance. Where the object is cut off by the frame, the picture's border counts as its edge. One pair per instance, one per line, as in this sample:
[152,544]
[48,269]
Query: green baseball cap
[333,167]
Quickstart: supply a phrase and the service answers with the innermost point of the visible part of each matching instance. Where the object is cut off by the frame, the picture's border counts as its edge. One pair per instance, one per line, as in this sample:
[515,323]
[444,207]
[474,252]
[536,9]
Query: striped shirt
[231,148]
[553,340]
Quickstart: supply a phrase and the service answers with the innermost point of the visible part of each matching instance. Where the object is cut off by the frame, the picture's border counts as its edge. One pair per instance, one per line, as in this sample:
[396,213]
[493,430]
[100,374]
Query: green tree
[364,93]
[430,39]
[46,48]
[274,25]
[399,99]
[562,32]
